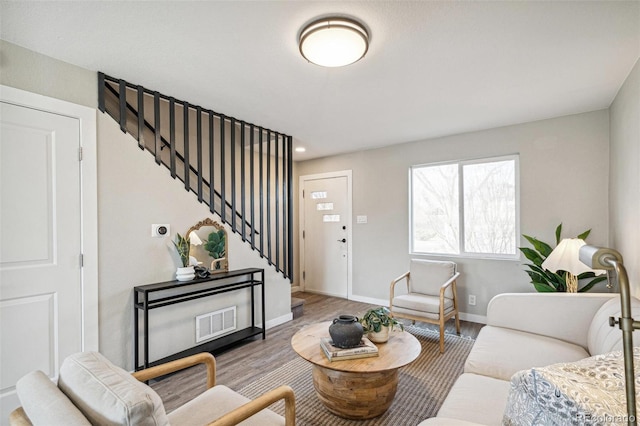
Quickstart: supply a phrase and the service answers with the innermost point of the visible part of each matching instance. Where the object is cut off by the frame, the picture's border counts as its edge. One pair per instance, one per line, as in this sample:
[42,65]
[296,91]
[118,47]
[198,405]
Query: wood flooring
[240,366]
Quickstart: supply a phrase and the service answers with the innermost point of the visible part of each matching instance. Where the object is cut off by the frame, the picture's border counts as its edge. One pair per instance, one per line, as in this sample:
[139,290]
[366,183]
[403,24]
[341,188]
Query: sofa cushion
[603,338]
[216,402]
[477,399]
[108,395]
[427,276]
[44,403]
[500,352]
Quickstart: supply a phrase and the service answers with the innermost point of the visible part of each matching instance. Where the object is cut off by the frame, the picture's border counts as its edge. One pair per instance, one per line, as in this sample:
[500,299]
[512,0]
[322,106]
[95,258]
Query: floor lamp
[609,259]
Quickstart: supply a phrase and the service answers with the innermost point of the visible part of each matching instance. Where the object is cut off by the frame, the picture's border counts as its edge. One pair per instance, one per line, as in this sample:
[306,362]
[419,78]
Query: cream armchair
[430,294]
[91,390]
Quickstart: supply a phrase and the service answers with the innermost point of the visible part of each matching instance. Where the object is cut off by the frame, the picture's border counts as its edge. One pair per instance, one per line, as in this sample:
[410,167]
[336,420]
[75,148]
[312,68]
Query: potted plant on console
[186,272]
[378,322]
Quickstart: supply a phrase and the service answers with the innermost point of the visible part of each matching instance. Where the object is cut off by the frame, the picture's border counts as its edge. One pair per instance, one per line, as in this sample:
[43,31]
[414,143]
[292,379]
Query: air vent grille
[214,324]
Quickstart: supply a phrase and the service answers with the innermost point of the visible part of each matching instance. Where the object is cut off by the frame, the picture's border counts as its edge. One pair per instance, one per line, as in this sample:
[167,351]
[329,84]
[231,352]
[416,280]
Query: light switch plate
[361,219]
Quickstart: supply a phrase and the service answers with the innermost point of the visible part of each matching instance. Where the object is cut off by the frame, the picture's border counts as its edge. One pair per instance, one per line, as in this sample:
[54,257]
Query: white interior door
[40,244]
[326,236]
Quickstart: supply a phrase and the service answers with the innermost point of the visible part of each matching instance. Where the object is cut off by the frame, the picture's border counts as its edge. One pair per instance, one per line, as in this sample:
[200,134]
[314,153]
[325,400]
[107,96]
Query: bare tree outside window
[435,209]
[465,208]
[489,208]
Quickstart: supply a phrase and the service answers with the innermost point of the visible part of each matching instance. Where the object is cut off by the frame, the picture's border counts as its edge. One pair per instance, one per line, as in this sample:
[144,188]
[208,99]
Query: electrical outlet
[472,300]
[160,230]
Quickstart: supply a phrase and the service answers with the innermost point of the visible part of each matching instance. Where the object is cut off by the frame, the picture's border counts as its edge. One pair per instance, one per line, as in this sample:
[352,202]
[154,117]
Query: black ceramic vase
[346,331]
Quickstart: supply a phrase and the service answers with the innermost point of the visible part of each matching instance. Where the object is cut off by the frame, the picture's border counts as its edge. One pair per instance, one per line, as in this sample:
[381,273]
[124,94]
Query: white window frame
[461,163]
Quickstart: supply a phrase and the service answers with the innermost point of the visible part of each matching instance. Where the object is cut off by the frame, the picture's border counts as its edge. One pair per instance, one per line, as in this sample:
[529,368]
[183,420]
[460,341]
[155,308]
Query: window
[466,208]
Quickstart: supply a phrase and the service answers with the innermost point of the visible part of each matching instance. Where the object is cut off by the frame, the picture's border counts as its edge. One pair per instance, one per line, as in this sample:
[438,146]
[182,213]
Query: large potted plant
[378,322]
[183,246]
[547,281]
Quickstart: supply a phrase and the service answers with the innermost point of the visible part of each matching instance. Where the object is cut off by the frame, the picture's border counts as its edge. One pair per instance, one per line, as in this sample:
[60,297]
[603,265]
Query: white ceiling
[433,68]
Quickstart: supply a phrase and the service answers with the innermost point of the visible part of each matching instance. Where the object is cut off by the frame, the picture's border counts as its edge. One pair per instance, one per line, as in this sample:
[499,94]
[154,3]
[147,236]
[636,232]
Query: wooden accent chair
[430,294]
[92,390]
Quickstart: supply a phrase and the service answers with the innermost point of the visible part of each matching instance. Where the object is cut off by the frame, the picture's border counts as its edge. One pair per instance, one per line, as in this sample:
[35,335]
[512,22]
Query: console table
[148,297]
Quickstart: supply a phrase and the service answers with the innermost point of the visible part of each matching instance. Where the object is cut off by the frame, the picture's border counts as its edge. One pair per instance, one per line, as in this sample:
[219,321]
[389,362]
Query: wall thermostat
[160,230]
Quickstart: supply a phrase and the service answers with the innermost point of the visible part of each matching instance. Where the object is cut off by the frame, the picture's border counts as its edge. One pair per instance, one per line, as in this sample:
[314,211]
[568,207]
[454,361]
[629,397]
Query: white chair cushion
[475,398]
[216,402]
[45,404]
[421,303]
[602,338]
[501,352]
[427,276]
[108,395]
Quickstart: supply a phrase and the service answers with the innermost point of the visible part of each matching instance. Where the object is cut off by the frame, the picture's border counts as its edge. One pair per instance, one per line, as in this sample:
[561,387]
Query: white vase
[185,273]
[381,336]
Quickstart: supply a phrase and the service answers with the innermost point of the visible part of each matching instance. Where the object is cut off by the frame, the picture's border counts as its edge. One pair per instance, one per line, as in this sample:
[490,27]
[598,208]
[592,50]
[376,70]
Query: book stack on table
[365,349]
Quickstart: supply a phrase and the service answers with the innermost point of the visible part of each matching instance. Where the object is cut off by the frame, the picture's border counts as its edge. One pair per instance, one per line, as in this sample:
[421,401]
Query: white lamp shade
[334,42]
[194,239]
[565,257]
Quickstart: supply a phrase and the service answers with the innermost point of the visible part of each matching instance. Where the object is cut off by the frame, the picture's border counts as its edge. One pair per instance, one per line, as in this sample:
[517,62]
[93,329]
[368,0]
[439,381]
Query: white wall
[563,178]
[133,193]
[624,189]
[27,70]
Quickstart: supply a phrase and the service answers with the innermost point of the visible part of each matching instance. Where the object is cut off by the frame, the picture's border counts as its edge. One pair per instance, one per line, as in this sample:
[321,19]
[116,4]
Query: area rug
[422,386]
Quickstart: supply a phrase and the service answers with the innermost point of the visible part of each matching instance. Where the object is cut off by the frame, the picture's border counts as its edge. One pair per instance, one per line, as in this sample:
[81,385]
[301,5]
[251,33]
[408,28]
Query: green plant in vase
[183,246]
[215,246]
[378,322]
[544,280]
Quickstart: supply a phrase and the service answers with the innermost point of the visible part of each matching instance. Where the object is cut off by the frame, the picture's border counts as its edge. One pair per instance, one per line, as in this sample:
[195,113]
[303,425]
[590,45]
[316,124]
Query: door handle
[344,240]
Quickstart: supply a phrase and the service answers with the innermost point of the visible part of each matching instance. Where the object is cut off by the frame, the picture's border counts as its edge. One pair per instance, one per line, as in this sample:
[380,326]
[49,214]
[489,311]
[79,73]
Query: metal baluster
[212,190]
[199,150]
[223,201]
[290,198]
[269,197]
[233,174]
[156,125]
[122,99]
[243,220]
[185,154]
[277,208]
[251,187]
[172,136]
[141,117]
[261,194]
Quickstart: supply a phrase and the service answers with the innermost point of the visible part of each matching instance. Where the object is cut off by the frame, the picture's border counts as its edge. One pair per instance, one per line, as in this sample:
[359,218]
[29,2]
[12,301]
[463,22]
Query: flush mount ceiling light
[334,42]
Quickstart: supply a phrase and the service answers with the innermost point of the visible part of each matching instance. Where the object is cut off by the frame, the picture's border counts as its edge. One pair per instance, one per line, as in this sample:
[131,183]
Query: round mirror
[209,245]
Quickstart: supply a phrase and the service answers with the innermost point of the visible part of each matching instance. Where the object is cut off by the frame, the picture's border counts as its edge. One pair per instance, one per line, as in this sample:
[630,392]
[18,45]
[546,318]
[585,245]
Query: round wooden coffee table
[357,388]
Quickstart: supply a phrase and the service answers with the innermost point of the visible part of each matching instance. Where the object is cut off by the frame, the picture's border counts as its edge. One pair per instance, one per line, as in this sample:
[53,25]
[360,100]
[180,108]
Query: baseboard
[295,288]
[480,319]
[370,300]
[280,320]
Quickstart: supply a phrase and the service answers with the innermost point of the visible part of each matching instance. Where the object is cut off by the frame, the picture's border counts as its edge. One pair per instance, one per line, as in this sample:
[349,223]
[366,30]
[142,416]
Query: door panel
[40,244]
[325,239]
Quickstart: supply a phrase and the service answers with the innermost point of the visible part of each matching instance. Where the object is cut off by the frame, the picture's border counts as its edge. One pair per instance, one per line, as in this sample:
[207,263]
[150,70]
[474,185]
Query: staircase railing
[214,154]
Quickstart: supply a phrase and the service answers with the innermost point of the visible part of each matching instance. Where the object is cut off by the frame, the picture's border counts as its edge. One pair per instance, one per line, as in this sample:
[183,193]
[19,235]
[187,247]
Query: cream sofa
[524,331]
